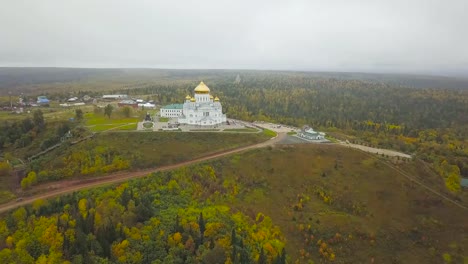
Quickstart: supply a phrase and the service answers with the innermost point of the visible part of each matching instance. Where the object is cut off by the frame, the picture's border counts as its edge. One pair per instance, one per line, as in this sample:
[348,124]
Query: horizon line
[377,72]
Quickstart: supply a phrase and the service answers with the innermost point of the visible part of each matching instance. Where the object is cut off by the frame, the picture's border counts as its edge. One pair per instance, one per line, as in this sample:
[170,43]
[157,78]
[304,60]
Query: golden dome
[202,88]
[211,97]
[187,97]
[216,98]
[192,99]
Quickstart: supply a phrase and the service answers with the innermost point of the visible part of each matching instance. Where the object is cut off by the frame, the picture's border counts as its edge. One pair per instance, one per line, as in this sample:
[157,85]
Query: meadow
[97,122]
[116,151]
[340,205]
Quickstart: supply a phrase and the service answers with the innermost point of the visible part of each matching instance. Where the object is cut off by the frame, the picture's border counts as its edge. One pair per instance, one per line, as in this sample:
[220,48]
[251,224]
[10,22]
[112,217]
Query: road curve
[121,177]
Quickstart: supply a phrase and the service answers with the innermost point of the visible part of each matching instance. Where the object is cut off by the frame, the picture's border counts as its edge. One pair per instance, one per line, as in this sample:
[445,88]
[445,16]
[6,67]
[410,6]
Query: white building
[147,106]
[203,109]
[309,133]
[172,110]
[114,96]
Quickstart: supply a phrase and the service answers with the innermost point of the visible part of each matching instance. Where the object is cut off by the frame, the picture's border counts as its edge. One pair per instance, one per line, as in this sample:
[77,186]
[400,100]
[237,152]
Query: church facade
[202,109]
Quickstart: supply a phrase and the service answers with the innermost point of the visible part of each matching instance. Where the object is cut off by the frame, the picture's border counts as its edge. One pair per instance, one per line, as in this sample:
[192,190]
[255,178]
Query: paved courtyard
[172,124]
[276,127]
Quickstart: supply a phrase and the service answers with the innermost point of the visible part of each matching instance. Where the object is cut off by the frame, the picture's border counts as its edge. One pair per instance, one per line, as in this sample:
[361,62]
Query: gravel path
[387,152]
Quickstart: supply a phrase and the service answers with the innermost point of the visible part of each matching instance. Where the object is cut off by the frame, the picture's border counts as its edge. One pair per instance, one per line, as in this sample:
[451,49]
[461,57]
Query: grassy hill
[110,152]
[331,200]
[323,203]
[113,151]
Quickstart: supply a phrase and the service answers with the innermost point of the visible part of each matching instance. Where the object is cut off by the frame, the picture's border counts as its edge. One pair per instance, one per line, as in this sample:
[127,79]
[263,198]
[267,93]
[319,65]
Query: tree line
[168,217]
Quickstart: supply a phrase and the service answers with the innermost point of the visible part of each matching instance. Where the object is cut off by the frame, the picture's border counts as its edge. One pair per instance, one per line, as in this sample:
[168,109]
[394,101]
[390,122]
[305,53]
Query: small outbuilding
[129,103]
[114,96]
[309,133]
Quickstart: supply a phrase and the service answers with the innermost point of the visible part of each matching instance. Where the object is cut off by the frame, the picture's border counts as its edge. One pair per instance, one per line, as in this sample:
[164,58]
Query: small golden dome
[202,88]
[211,97]
[192,99]
[187,97]
[216,98]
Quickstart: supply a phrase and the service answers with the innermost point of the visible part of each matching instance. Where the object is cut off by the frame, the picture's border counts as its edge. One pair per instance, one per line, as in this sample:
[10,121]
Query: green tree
[27,124]
[25,183]
[126,111]
[78,114]
[38,120]
[32,177]
[262,258]
[29,180]
[5,168]
[201,223]
[108,110]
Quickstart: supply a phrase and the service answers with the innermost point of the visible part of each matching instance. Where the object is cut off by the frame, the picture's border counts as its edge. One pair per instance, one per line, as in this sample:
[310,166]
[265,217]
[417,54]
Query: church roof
[310,131]
[173,106]
[202,88]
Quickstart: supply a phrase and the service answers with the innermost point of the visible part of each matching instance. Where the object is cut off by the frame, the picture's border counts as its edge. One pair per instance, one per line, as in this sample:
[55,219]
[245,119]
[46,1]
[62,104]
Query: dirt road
[64,187]
[387,152]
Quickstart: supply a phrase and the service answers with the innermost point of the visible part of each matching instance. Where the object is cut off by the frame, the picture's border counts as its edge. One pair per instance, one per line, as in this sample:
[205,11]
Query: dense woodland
[173,217]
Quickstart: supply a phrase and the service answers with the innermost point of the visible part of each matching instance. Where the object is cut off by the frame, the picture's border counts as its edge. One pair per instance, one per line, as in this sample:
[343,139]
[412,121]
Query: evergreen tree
[233,237]
[283,256]
[38,120]
[262,258]
[201,224]
[78,114]
[108,110]
[234,254]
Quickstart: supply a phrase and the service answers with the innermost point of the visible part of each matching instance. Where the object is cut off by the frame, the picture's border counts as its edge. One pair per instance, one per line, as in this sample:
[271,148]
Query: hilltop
[322,203]
[351,201]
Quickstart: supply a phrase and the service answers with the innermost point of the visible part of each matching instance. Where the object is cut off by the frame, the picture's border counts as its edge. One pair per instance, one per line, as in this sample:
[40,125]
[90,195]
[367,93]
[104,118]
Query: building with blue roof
[42,100]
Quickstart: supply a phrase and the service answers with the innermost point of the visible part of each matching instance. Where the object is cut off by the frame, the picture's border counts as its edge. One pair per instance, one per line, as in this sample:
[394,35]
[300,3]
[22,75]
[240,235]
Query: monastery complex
[202,109]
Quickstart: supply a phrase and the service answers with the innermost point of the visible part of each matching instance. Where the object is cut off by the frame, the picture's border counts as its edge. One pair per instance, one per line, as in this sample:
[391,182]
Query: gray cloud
[418,36]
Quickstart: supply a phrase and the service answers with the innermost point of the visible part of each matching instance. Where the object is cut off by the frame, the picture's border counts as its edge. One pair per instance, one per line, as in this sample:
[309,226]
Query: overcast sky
[414,36]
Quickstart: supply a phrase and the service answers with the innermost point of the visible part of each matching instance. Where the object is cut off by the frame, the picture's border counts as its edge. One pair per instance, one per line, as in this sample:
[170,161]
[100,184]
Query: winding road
[64,187]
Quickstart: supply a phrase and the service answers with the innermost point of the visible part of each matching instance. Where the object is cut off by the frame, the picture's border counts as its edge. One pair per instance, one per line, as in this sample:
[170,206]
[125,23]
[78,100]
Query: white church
[203,109]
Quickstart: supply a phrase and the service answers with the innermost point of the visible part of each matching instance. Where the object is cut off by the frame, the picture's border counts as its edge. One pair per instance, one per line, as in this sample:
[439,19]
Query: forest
[173,217]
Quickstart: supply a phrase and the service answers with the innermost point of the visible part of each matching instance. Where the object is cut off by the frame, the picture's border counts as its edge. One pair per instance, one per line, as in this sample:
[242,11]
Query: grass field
[97,119]
[344,202]
[99,122]
[148,125]
[50,113]
[269,133]
[140,150]
[241,130]
[105,127]
[205,130]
